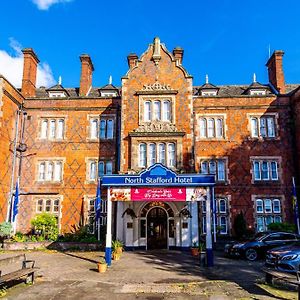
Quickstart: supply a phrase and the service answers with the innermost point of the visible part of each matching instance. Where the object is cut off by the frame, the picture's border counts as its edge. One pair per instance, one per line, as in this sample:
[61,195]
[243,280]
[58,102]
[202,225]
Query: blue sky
[227,39]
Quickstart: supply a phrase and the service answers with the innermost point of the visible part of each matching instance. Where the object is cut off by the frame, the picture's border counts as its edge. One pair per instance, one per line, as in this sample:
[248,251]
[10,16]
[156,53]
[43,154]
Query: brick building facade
[245,134]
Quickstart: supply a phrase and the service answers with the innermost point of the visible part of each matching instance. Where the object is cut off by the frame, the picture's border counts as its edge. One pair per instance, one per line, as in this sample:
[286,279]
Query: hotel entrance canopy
[159,183]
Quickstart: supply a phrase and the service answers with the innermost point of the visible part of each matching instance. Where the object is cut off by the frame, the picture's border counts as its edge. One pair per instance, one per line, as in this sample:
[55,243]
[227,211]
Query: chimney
[275,71]
[87,69]
[178,54]
[132,59]
[29,72]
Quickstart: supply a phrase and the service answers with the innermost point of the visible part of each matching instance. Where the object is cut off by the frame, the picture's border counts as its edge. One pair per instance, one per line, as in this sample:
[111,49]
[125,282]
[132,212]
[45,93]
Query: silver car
[285,259]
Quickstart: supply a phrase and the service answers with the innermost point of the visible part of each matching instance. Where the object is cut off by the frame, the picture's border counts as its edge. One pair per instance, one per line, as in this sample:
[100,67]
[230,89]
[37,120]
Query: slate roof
[223,90]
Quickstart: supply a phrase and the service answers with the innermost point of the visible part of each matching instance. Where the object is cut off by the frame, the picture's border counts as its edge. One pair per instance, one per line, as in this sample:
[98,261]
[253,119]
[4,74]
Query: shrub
[5,230]
[287,227]
[46,225]
[240,226]
[19,237]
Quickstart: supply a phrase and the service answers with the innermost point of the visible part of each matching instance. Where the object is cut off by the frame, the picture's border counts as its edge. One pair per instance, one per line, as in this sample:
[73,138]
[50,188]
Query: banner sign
[158,175]
[158,194]
[163,194]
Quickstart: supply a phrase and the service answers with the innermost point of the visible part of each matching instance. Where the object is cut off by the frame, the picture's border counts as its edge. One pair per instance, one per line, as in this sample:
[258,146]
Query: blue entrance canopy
[158,175]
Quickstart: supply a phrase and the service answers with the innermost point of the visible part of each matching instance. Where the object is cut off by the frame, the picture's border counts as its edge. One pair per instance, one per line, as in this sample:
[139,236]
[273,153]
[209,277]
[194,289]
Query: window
[57,94]
[212,127]
[50,171]
[48,204]
[103,128]
[92,226]
[265,170]
[263,127]
[222,215]
[217,167]
[104,167]
[164,153]
[157,110]
[258,92]
[268,210]
[52,128]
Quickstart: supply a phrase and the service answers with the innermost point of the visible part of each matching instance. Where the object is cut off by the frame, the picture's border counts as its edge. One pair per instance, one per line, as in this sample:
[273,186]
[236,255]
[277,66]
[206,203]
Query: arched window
[52,129]
[101,168]
[157,111]
[109,167]
[221,170]
[103,129]
[162,154]
[58,171]
[212,167]
[143,155]
[147,111]
[166,111]
[93,170]
[50,171]
[263,127]
[204,167]
[94,129]
[152,154]
[211,128]
[203,127]
[110,129]
[171,155]
[222,206]
[60,129]
[219,128]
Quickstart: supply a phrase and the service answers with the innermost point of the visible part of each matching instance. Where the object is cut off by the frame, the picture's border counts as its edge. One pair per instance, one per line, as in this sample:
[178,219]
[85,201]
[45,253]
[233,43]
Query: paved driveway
[139,275]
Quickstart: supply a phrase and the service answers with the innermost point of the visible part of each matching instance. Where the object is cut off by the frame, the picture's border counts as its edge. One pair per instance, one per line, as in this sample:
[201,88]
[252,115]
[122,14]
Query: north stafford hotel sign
[158,183]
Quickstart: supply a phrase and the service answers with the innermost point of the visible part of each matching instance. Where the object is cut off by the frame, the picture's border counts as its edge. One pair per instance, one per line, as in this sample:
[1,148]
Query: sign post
[108,229]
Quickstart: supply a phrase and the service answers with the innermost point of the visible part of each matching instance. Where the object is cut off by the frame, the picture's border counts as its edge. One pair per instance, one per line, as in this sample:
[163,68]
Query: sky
[227,39]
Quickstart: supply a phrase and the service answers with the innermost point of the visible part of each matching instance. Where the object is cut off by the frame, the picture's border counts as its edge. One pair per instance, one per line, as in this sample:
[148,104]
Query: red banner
[158,194]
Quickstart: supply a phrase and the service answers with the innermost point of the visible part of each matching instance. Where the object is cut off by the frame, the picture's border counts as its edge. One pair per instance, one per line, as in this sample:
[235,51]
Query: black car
[284,259]
[260,244]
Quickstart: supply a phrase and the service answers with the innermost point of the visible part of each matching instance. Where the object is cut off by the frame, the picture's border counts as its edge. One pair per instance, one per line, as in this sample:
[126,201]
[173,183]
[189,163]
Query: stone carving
[156,127]
[156,51]
[156,87]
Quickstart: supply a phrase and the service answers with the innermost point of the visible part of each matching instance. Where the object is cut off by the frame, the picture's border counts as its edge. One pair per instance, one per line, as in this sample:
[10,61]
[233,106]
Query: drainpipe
[9,204]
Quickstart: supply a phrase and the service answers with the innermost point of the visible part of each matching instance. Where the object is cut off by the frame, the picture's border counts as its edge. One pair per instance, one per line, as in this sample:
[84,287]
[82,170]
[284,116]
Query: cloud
[45,4]
[11,66]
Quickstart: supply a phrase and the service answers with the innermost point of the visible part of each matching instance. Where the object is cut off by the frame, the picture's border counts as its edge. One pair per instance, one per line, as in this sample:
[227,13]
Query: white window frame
[50,171]
[263,126]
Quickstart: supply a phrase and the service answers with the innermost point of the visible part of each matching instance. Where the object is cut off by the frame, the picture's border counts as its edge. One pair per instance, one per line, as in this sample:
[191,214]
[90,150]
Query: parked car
[260,244]
[285,259]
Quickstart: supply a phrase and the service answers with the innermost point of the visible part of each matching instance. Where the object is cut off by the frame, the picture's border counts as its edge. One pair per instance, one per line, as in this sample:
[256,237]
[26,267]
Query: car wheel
[251,254]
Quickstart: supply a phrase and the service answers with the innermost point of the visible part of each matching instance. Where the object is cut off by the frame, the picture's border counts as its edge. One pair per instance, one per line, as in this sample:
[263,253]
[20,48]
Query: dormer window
[57,94]
[108,94]
[258,92]
[209,93]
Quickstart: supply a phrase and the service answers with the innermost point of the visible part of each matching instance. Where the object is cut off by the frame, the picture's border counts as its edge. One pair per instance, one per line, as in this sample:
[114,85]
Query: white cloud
[45,4]
[11,67]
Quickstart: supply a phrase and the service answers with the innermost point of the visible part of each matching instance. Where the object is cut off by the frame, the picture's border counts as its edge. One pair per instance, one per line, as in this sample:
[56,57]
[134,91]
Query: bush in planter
[286,227]
[240,226]
[5,230]
[46,225]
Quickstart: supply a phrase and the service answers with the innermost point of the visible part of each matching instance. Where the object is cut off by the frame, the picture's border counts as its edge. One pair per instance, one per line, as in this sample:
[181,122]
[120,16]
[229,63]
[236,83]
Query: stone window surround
[52,197]
[135,141]
[268,196]
[225,158]
[275,115]
[152,98]
[267,158]
[215,116]
[99,117]
[37,162]
[49,117]
[94,158]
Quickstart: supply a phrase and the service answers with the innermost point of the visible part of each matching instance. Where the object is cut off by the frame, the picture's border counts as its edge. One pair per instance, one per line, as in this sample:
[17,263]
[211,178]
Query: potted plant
[116,249]
[194,249]
[102,265]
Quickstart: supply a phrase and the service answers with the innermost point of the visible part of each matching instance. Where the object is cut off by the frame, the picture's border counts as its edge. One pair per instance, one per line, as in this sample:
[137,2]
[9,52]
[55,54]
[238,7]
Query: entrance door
[157,229]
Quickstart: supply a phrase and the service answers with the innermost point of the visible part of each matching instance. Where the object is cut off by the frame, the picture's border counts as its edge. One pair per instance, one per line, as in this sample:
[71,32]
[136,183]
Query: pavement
[151,275]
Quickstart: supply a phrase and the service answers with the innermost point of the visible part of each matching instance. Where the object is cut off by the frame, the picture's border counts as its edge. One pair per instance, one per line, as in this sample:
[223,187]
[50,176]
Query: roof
[208,86]
[109,87]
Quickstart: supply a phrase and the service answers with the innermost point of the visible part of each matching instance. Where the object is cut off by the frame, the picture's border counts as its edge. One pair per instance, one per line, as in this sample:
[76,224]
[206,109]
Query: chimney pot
[87,69]
[132,59]
[178,54]
[29,72]
[275,71]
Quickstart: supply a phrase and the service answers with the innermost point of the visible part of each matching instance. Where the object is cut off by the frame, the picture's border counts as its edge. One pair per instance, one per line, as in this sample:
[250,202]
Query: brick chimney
[275,71]
[29,72]
[87,69]
[132,59]
[178,54]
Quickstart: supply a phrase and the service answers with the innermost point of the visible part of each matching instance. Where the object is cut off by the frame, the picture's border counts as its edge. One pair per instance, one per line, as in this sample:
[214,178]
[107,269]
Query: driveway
[139,275]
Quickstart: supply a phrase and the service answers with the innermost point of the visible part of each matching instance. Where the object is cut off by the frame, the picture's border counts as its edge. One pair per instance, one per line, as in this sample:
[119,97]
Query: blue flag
[16,202]
[295,206]
[98,200]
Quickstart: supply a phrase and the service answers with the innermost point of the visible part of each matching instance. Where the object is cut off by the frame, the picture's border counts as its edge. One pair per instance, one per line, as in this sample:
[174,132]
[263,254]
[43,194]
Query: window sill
[263,182]
[49,182]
